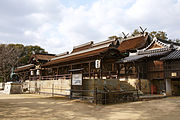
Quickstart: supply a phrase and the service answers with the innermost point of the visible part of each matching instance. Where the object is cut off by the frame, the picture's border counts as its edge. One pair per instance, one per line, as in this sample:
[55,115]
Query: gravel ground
[40,107]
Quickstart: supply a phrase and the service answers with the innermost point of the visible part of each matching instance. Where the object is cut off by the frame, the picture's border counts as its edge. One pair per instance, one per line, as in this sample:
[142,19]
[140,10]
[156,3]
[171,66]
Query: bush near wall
[1,79]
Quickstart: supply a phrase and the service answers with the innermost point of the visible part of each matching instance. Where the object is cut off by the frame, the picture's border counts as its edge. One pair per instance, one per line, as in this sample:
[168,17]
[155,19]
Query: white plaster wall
[2,86]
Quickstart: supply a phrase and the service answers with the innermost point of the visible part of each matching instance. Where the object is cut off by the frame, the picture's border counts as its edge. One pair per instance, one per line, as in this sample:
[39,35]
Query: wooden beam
[81,62]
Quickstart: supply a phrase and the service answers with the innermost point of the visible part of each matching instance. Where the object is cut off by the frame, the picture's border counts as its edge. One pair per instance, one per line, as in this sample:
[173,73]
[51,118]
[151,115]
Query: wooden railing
[51,77]
[97,75]
[91,75]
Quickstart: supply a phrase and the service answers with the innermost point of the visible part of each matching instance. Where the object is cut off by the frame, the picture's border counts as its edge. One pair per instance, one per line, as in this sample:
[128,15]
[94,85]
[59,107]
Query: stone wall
[60,86]
[13,88]
[145,84]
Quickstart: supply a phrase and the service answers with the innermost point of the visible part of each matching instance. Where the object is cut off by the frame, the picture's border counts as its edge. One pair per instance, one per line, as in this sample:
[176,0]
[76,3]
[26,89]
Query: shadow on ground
[43,107]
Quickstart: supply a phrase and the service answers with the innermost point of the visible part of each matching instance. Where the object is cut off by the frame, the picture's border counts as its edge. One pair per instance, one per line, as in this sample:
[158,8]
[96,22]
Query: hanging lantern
[97,63]
[32,72]
[38,72]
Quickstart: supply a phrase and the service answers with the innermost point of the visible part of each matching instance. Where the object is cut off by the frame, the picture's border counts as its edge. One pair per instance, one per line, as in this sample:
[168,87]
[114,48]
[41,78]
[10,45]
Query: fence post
[137,94]
[96,95]
[105,98]
[29,87]
[53,90]
[39,87]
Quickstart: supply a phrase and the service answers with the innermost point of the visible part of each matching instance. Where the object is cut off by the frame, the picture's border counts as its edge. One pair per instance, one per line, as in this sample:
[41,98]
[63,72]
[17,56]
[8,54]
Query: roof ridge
[83,45]
[153,51]
[83,51]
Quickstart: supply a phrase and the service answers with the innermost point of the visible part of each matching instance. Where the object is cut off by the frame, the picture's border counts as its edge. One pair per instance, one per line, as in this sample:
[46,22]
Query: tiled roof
[164,43]
[151,51]
[131,58]
[97,48]
[157,54]
[77,55]
[141,56]
[21,68]
[134,43]
[82,47]
[173,55]
[42,57]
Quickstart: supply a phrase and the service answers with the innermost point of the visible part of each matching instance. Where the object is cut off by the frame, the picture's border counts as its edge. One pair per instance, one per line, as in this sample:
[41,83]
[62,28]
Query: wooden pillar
[138,72]
[24,77]
[57,71]
[118,70]
[101,69]
[112,66]
[168,87]
[126,77]
[89,70]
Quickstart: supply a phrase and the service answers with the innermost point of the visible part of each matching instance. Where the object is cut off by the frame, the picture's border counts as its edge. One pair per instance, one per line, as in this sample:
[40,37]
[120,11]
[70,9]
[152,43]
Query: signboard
[98,63]
[76,79]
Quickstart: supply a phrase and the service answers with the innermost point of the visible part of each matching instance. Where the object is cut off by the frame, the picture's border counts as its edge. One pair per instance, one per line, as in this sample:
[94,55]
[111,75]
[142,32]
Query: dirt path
[30,107]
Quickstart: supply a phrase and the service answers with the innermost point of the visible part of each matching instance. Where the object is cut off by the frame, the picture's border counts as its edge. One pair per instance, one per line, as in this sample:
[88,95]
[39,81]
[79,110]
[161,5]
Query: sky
[58,25]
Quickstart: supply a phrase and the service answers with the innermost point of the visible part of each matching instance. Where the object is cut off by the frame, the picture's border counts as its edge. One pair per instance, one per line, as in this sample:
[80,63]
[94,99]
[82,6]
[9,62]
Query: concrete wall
[2,86]
[60,86]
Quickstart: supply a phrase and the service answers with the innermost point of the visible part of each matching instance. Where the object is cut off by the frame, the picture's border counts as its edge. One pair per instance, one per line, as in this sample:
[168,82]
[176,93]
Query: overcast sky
[58,25]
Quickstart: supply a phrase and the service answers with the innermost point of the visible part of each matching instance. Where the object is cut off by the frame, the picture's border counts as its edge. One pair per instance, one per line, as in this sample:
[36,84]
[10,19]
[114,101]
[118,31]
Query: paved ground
[30,107]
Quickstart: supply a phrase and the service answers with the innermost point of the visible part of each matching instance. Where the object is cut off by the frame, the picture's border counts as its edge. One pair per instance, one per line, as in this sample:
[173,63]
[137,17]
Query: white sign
[98,63]
[76,79]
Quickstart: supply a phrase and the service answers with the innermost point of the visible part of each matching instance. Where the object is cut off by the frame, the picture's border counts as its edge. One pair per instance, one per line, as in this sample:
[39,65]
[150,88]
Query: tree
[159,34]
[28,51]
[13,55]
[175,40]
[9,56]
[136,32]
[114,37]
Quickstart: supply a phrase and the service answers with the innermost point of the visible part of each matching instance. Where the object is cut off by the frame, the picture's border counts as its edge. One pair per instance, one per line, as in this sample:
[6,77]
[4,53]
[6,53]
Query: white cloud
[57,27]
